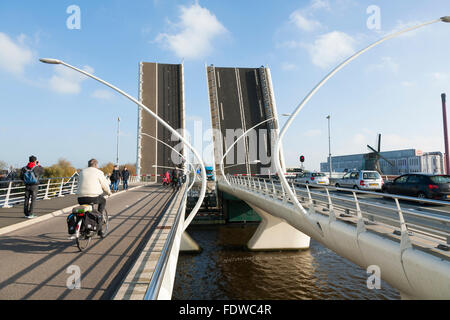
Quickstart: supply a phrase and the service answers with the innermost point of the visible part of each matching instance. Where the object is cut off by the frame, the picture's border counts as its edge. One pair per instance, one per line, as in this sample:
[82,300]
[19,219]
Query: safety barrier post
[360,227]
[274,192]
[6,205]
[405,241]
[73,185]
[60,188]
[331,215]
[46,190]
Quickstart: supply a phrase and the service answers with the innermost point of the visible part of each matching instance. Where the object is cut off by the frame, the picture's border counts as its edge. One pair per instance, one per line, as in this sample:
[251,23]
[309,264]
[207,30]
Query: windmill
[372,159]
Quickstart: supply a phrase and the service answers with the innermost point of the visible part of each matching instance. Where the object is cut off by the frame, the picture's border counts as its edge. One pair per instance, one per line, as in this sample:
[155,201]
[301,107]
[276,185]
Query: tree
[61,169]
[3,165]
[107,168]
[131,168]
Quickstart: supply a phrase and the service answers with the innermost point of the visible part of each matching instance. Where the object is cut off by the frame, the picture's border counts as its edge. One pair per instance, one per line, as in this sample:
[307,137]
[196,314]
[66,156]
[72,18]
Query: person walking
[125,177]
[115,179]
[30,175]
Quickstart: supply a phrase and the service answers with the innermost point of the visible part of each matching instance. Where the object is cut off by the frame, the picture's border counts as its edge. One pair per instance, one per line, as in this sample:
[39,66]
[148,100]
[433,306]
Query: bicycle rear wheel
[105,227]
[83,241]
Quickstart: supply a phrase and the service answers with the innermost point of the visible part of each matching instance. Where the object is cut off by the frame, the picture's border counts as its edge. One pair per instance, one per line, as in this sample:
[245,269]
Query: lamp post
[329,146]
[164,123]
[316,88]
[118,133]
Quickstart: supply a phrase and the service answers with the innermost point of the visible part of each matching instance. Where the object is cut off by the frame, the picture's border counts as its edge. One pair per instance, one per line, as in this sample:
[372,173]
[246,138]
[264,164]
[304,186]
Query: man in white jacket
[91,184]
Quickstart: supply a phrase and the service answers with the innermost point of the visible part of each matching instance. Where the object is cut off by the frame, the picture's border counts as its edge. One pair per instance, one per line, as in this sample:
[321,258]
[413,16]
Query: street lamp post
[118,133]
[160,120]
[316,88]
[329,146]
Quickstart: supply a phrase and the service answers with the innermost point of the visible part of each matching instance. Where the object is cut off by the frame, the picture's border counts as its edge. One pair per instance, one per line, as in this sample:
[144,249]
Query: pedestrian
[30,175]
[125,177]
[115,179]
[166,178]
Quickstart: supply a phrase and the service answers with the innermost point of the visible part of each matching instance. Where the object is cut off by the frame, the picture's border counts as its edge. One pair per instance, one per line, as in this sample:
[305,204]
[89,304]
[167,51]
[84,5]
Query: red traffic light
[302,159]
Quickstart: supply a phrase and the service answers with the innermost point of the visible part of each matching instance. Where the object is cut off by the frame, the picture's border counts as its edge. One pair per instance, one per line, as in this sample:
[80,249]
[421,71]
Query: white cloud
[198,27]
[67,80]
[387,63]
[439,76]
[330,48]
[14,56]
[320,4]
[408,84]
[302,22]
[288,66]
[102,94]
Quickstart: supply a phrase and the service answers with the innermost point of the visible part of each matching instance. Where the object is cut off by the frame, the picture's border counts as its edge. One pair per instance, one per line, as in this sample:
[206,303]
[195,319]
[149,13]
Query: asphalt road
[38,261]
[241,106]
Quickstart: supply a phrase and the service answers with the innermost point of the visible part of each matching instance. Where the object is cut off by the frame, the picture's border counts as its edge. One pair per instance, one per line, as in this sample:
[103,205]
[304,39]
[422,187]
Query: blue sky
[394,89]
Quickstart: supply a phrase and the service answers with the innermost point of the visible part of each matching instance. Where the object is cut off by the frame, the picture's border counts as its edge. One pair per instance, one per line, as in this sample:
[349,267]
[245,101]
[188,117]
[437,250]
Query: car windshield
[440,179]
[320,174]
[371,175]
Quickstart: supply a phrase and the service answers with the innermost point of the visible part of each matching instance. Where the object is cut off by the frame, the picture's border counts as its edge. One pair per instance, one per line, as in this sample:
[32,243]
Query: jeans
[125,184]
[30,198]
[115,185]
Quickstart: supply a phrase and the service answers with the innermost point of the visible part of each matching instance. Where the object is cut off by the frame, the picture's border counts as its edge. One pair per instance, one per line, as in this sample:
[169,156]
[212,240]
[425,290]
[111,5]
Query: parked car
[363,180]
[313,178]
[420,185]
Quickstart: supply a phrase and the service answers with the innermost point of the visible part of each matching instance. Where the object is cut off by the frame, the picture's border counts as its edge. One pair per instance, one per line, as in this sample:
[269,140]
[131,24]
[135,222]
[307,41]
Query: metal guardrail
[430,229]
[154,287]
[13,192]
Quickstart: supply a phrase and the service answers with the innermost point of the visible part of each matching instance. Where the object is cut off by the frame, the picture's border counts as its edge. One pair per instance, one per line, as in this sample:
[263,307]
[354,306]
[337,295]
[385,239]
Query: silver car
[313,178]
[362,180]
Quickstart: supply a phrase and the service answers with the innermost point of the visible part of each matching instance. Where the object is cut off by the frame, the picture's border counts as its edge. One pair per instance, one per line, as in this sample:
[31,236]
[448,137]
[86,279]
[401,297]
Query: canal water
[225,269]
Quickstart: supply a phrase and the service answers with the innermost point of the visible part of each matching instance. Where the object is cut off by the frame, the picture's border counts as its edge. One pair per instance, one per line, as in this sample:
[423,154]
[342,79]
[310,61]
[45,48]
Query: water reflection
[227,270]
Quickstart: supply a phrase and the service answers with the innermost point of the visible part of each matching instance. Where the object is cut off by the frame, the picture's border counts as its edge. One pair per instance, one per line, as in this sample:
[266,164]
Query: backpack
[29,177]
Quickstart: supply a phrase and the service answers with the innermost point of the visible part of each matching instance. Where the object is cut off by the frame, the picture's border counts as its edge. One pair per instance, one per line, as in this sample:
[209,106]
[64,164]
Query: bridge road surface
[35,259]
[240,104]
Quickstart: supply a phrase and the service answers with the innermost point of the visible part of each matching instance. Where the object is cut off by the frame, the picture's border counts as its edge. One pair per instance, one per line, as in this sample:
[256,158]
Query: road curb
[47,216]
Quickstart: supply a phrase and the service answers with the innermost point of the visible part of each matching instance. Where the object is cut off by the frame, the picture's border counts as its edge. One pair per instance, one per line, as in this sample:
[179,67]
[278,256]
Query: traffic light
[302,159]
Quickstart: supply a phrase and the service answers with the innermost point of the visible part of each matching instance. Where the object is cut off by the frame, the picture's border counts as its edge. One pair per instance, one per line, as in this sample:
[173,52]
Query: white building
[405,161]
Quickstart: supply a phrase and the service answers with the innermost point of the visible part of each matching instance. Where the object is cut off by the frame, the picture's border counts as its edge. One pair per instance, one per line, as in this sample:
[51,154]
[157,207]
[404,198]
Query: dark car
[423,185]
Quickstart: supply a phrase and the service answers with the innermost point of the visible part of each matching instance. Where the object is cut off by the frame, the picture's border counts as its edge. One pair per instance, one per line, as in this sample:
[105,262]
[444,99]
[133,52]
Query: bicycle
[84,231]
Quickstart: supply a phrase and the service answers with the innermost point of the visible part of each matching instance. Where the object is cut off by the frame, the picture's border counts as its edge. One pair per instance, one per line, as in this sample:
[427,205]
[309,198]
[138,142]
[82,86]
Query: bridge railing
[428,227]
[168,253]
[13,192]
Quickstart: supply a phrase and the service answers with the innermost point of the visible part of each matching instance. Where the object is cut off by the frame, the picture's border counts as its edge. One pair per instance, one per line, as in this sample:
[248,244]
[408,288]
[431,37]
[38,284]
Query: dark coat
[125,174]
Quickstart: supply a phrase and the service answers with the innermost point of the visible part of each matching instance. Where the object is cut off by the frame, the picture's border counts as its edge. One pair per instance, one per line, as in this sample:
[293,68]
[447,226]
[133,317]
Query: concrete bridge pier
[187,244]
[275,234]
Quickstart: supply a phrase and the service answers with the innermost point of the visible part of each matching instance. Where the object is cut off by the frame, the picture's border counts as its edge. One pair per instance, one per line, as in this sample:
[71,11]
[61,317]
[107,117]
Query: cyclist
[92,183]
